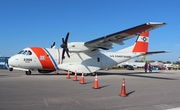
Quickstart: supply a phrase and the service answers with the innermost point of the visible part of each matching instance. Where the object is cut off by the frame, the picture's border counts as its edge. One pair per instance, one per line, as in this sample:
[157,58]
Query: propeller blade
[67,52]
[53,45]
[63,54]
[67,36]
[64,45]
[63,41]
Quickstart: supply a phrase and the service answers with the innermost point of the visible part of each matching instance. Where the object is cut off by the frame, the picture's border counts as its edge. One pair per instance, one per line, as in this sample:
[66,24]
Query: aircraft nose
[12,61]
[9,62]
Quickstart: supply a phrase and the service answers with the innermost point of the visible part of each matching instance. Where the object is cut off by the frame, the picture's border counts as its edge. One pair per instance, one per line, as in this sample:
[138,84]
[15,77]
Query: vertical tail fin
[142,42]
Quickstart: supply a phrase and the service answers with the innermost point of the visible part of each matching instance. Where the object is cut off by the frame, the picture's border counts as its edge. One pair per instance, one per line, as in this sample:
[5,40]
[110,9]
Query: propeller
[65,46]
[53,45]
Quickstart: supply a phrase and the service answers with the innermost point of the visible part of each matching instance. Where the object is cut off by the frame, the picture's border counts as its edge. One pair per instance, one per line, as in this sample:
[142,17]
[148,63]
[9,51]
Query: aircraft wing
[106,42]
[79,68]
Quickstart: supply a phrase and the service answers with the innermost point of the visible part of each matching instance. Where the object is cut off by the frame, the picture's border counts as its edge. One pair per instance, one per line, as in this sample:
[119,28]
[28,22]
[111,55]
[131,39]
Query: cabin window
[98,59]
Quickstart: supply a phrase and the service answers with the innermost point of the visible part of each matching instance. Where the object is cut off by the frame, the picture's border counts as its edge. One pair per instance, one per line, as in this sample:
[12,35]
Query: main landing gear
[91,74]
[85,74]
[28,72]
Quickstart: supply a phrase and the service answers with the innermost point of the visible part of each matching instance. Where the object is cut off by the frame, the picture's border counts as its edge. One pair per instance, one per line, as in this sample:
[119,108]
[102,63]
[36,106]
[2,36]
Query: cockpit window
[29,52]
[20,52]
[24,53]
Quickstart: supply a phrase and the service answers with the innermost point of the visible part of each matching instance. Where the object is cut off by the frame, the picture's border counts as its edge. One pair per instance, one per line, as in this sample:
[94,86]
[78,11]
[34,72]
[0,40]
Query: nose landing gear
[10,69]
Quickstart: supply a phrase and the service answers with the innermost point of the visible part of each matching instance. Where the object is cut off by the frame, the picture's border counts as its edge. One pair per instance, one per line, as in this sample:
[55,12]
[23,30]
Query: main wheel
[72,73]
[28,72]
[93,74]
[85,74]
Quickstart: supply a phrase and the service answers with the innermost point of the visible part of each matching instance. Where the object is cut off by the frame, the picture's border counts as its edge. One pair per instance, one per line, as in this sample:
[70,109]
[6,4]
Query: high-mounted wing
[106,42]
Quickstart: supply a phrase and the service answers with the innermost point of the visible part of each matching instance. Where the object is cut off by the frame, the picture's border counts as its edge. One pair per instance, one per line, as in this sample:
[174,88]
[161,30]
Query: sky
[26,23]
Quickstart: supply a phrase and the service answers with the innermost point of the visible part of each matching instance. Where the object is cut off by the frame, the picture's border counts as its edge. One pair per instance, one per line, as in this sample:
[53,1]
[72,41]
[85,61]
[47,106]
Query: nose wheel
[28,72]
[10,69]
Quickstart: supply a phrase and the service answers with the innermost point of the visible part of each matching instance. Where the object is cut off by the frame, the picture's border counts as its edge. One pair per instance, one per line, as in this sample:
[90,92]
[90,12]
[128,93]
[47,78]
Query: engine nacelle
[77,47]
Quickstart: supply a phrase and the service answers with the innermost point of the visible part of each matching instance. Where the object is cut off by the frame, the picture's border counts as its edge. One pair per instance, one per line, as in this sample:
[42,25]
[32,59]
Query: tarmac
[159,90]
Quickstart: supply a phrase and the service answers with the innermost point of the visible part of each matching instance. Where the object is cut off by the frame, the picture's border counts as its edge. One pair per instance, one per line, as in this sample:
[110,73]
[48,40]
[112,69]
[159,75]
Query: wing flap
[106,42]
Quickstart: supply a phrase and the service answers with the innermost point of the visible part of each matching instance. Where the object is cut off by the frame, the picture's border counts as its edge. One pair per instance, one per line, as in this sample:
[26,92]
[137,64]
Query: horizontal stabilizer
[155,52]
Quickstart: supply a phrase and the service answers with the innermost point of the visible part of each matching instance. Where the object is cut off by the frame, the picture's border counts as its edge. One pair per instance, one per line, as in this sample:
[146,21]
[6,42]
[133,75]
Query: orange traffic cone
[82,79]
[123,89]
[96,85]
[75,77]
[68,75]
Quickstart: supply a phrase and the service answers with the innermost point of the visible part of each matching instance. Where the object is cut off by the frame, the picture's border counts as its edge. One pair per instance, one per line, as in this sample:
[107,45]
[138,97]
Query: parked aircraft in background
[139,64]
[3,61]
[156,64]
[84,56]
[132,63]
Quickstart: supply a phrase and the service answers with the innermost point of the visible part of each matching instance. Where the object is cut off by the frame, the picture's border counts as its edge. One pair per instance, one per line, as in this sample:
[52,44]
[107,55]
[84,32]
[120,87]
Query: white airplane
[156,63]
[84,57]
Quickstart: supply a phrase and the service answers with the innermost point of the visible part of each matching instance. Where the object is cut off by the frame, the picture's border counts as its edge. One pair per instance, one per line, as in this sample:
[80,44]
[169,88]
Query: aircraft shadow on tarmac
[136,74]
[133,74]
[2,76]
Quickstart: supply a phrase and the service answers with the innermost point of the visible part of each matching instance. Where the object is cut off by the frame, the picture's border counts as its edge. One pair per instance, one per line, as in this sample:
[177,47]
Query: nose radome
[9,62]
[12,61]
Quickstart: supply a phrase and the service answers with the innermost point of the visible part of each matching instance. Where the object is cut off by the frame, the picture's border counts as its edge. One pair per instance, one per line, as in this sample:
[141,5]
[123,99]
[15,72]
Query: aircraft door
[103,61]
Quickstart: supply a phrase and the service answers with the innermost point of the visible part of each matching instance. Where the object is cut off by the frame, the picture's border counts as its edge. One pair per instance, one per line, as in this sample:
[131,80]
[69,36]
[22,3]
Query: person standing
[146,67]
[150,68]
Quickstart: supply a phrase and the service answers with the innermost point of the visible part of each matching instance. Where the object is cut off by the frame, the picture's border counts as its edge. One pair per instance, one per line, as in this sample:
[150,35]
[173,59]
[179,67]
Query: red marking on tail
[141,44]
[146,34]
